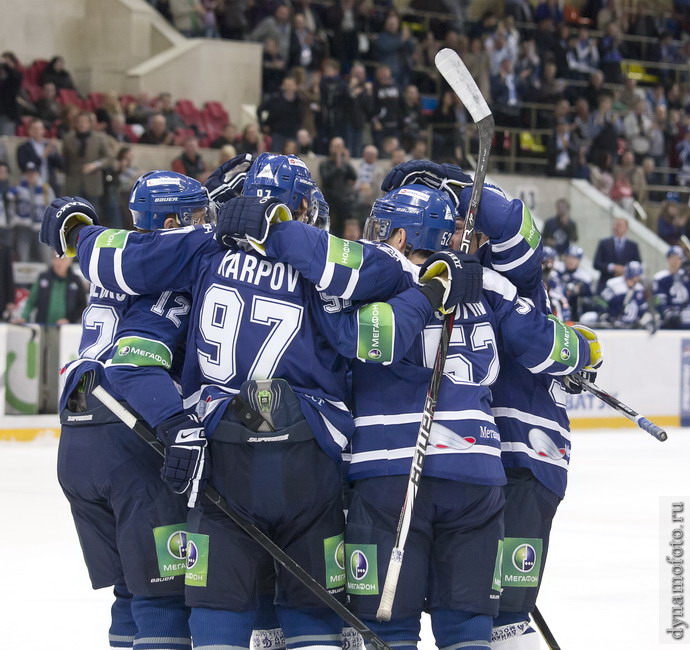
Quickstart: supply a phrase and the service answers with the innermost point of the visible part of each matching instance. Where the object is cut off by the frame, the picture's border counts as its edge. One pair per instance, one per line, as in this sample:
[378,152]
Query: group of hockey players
[624,301]
[274,360]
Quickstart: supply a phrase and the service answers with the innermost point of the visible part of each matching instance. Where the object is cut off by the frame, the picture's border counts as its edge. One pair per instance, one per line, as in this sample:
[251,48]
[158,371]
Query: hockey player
[671,290]
[576,282]
[253,320]
[624,299]
[382,441]
[554,286]
[529,409]
[130,525]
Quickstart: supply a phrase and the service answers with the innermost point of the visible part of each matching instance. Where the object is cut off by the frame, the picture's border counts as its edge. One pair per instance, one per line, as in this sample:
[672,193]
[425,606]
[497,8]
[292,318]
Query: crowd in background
[355,80]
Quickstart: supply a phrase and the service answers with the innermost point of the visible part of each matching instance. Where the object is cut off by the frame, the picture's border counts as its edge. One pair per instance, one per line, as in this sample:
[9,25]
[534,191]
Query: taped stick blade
[455,72]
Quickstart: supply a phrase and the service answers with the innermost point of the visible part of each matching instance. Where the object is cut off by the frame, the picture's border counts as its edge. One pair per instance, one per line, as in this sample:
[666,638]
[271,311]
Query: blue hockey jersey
[255,319]
[672,298]
[625,305]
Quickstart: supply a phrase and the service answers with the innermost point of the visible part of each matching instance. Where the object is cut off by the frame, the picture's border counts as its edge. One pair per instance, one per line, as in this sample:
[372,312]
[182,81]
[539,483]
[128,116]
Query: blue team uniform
[625,305]
[577,286]
[672,298]
[121,508]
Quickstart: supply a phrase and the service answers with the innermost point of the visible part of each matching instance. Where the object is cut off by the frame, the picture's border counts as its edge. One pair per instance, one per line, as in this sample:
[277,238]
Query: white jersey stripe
[514,264]
[522,448]
[504,246]
[119,278]
[338,437]
[529,418]
[407,452]
[411,418]
[351,285]
[93,266]
[326,276]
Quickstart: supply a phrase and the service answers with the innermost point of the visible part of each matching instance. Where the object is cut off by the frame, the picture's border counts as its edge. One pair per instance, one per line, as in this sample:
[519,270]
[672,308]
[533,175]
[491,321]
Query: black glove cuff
[433,291]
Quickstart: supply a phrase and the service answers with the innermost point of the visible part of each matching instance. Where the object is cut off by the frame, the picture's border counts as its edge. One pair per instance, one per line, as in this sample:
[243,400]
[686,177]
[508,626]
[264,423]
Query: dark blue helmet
[426,215]
[633,270]
[549,254]
[575,251]
[284,177]
[159,194]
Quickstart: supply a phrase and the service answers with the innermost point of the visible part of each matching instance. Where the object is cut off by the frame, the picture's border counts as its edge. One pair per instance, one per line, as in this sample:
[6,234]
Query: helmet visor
[377,229]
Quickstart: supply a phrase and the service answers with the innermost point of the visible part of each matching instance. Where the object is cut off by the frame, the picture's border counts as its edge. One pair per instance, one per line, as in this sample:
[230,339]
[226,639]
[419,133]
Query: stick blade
[455,72]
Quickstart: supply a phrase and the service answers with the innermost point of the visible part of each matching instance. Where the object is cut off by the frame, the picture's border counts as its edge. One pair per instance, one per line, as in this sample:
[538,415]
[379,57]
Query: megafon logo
[359,565]
[443,438]
[340,555]
[524,557]
[177,544]
[192,554]
[544,446]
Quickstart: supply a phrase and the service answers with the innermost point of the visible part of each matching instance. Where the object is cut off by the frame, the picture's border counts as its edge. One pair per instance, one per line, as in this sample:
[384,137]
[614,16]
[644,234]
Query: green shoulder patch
[345,253]
[528,229]
[112,239]
[376,332]
[138,351]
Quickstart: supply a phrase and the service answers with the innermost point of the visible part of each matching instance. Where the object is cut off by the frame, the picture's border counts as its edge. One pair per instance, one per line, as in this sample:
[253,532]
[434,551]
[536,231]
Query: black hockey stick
[456,74]
[212,495]
[544,629]
[641,421]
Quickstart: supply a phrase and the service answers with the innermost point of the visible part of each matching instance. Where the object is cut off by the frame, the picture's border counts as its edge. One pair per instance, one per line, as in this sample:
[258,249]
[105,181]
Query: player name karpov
[246,268]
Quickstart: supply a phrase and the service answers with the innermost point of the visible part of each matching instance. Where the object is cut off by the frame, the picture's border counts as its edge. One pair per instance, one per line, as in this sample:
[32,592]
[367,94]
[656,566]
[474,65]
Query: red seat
[126,100]
[34,71]
[187,111]
[182,134]
[33,92]
[131,134]
[95,100]
[67,96]
[215,112]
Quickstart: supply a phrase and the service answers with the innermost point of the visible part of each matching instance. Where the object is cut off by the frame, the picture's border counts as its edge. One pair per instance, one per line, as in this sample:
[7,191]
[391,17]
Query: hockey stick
[641,421]
[456,74]
[544,629]
[251,529]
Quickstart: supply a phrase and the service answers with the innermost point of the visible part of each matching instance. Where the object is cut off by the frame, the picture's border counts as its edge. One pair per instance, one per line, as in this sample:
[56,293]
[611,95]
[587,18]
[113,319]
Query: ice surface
[601,588]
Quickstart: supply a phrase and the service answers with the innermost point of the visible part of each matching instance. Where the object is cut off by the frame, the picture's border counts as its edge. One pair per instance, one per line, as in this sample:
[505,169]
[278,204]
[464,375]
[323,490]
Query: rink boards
[648,372]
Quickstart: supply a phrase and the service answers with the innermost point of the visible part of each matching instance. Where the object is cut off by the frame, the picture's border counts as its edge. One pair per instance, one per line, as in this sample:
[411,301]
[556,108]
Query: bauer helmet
[285,178]
[426,215]
[159,194]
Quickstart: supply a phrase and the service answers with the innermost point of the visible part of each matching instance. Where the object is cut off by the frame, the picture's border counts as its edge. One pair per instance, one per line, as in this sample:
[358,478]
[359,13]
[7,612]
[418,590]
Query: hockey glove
[184,467]
[249,218]
[61,216]
[589,372]
[461,275]
[226,182]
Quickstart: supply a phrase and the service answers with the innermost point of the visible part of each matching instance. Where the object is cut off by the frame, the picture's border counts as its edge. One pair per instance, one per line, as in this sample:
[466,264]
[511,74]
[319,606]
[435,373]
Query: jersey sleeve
[539,342]
[515,246]
[338,267]
[144,355]
[142,263]
[376,332]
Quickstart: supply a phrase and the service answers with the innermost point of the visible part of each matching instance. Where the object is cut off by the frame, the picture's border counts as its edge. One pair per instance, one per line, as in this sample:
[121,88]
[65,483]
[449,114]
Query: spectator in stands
[118,129]
[140,110]
[594,89]
[47,108]
[305,49]
[521,10]
[7,288]
[225,153]
[634,174]
[27,201]
[444,121]
[251,141]
[305,148]
[671,291]
[6,237]
[506,91]
[345,18]
[56,73]
[232,19]
[581,127]
[127,174]
[338,178]
[548,10]
[209,21]
[671,223]
[42,153]
[227,136]
[10,85]
[167,110]
[527,69]
[601,172]
[86,154]
[370,175]
[394,47]
[386,121]
[683,154]
[58,296]
[398,156]
[576,283]
[604,128]
[499,48]
[273,67]
[477,62]
[582,56]
[560,231]
[413,121]
[622,191]
[644,23]
[352,230]
[359,105]
[624,299]
[613,253]
[187,17]
[613,51]
[630,93]
[281,115]
[277,27]
[561,151]
[636,128]
[157,133]
[189,162]
[330,119]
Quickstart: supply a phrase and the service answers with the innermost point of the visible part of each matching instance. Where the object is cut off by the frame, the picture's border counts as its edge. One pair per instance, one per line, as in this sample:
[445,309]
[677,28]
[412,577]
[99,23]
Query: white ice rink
[601,589]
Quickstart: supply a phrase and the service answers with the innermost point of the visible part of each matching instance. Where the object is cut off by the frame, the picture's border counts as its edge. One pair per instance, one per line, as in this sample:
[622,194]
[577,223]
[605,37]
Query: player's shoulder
[661,275]
[496,284]
[617,285]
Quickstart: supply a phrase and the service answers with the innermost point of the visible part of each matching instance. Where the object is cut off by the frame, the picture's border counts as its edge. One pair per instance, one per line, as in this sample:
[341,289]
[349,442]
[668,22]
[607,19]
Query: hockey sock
[512,631]
[122,625]
[457,629]
[267,633]
[312,629]
[221,629]
[400,633]
[162,623]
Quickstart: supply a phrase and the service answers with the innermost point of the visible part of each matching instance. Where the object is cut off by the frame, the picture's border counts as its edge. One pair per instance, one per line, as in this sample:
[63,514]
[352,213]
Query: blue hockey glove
[60,217]
[226,182]
[462,277]
[185,466]
[573,387]
[249,218]
[438,176]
